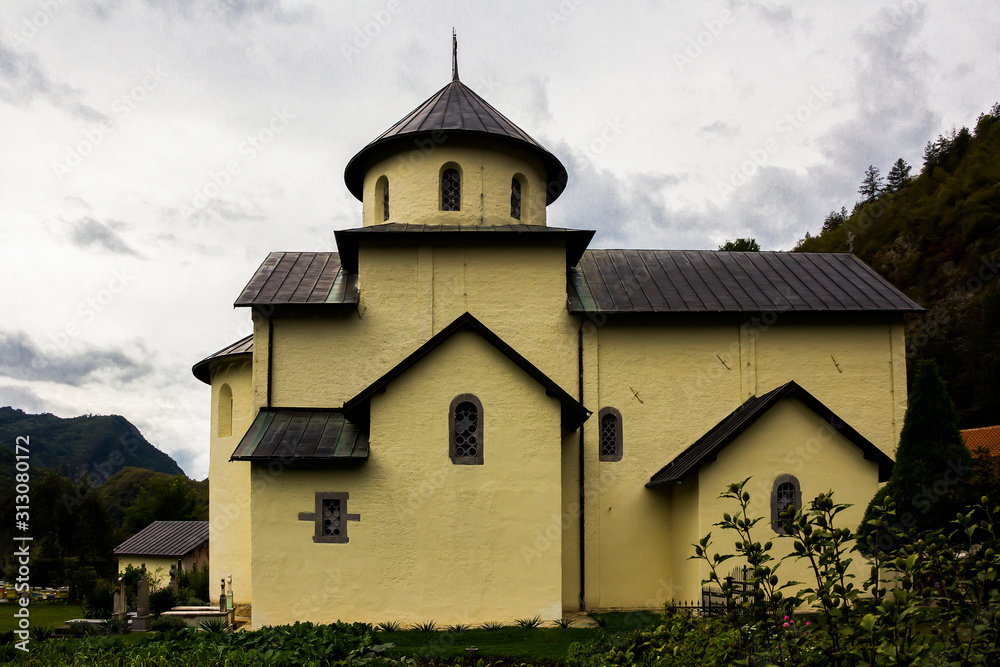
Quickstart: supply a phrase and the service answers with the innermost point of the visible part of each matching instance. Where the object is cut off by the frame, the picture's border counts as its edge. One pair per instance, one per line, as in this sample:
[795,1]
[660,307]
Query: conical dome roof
[456,108]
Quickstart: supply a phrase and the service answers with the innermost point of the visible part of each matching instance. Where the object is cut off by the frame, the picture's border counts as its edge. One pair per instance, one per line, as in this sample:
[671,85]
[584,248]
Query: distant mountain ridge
[95,446]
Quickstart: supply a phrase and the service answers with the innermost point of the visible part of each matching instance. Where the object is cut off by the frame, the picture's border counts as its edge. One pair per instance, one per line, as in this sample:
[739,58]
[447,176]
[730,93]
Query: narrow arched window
[382,196]
[451,190]
[515,198]
[224,424]
[609,420]
[786,493]
[385,202]
[466,430]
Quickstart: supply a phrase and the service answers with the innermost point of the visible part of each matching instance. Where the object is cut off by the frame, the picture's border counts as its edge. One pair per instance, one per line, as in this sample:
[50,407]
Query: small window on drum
[466,430]
[451,189]
[786,493]
[515,198]
[609,420]
[382,196]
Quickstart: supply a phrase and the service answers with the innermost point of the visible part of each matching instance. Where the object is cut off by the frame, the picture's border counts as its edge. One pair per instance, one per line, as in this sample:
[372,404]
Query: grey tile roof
[166,538]
[704,281]
[290,434]
[453,111]
[706,448]
[240,347]
[290,278]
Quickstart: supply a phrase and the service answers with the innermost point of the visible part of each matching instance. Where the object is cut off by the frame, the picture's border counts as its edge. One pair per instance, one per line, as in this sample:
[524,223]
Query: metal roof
[240,347]
[704,281]
[573,412]
[706,448]
[291,278]
[454,111]
[302,434]
[348,239]
[166,538]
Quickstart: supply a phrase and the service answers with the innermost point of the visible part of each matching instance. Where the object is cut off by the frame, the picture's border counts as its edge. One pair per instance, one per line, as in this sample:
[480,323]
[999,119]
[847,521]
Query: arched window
[466,430]
[609,421]
[451,189]
[515,198]
[225,412]
[785,493]
[382,195]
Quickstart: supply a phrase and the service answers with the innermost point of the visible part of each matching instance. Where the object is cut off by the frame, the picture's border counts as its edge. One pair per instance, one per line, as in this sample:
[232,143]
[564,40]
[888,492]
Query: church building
[465,415]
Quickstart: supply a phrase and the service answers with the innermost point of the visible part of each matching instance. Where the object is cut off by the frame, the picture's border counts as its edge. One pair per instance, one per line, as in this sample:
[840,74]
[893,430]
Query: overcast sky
[153,153]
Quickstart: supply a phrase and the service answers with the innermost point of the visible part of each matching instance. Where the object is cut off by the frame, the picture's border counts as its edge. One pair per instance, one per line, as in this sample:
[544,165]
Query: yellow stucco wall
[673,380]
[435,541]
[229,482]
[158,569]
[788,439]
[414,186]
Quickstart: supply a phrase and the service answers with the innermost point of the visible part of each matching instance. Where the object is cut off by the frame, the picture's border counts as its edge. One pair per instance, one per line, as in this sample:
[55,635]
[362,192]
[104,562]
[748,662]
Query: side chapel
[466,415]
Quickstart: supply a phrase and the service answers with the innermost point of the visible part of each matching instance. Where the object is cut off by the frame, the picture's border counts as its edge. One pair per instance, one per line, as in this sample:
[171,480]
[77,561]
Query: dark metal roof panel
[296,278]
[240,347]
[306,434]
[166,538]
[692,281]
[706,448]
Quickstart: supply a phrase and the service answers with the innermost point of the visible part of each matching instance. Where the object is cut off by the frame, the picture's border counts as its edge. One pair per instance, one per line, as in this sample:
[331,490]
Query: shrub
[563,623]
[216,625]
[529,623]
[426,626]
[195,581]
[390,626]
[40,633]
[168,623]
[161,601]
[100,602]
[492,626]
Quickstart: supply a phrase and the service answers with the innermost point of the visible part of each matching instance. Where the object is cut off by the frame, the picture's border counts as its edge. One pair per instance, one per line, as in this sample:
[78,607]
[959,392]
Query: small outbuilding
[164,543]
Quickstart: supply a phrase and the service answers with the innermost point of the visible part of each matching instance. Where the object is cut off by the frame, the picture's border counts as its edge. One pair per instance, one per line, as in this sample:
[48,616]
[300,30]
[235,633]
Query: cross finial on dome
[454,55]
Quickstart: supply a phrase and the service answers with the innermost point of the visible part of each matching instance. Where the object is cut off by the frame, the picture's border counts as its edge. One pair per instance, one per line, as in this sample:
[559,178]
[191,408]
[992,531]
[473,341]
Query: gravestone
[173,578]
[121,602]
[143,619]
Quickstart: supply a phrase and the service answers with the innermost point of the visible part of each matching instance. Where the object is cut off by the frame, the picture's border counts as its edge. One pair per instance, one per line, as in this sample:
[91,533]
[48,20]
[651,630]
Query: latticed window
[330,517]
[610,423]
[785,494]
[451,190]
[385,201]
[466,422]
[515,198]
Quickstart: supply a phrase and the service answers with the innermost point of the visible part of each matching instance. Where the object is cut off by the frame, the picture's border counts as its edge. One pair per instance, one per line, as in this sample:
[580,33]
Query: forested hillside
[936,236]
[90,445]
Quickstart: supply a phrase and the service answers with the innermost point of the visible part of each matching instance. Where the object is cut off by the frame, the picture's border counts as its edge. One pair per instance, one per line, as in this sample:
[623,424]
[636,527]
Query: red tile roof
[988,437]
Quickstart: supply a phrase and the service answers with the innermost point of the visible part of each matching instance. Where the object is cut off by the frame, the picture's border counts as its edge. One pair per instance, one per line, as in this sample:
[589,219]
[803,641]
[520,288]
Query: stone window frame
[317,517]
[617,456]
[476,460]
[453,166]
[784,478]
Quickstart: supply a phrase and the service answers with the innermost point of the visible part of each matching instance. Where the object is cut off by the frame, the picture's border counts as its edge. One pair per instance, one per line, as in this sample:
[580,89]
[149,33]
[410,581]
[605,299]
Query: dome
[455,110]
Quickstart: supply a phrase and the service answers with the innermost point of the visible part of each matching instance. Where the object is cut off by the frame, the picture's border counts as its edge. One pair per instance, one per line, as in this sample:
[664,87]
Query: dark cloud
[22,81]
[21,359]
[91,233]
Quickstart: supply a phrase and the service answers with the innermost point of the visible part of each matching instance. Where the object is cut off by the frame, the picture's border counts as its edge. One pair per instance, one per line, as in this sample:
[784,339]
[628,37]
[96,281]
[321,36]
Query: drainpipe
[583,559]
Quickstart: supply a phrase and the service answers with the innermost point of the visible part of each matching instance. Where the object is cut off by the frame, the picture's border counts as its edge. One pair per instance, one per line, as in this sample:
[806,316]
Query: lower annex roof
[166,538]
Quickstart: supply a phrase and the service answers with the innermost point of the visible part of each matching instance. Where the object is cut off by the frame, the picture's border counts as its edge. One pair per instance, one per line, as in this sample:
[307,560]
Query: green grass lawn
[549,644]
[49,613]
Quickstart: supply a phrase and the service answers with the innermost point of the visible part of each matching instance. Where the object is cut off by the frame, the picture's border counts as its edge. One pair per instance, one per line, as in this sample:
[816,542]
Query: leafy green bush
[161,601]
[100,602]
[193,583]
[168,623]
[926,599]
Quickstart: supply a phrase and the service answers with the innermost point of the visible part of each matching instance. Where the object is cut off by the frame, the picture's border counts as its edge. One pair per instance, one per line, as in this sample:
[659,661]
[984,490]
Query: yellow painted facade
[501,541]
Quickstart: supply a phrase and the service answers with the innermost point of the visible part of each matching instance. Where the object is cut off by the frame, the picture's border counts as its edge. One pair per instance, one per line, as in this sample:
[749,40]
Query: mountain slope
[89,445]
[937,238]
